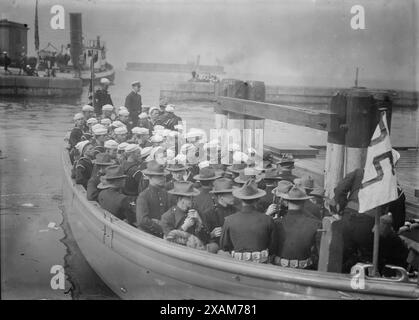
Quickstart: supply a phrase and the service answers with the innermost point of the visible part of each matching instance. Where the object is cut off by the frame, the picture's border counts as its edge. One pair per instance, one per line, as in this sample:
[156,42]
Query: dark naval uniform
[358,237]
[83,171]
[134,183]
[249,230]
[312,210]
[151,204]
[145,123]
[133,104]
[174,218]
[102,97]
[76,136]
[117,204]
[214,217]
[297,236]
[92,190]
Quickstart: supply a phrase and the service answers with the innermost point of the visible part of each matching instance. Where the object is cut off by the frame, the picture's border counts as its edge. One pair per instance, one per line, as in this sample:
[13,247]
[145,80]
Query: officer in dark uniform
[133,102]
[102,96]
[153,201]
[249,234]
[111,197]
[205,199]
[181,216]
[135,183]
[223,207]
[298,236]
[101,162]
[84,166]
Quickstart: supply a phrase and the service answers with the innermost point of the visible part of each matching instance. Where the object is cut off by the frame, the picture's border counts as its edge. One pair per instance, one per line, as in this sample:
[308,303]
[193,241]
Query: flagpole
[376,249]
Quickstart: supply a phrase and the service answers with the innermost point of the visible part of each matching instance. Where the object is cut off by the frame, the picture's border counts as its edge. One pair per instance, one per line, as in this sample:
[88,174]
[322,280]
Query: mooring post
[335,148]
[254,127]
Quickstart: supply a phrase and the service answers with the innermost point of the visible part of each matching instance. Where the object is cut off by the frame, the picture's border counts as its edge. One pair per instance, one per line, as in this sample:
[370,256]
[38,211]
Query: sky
[299,42]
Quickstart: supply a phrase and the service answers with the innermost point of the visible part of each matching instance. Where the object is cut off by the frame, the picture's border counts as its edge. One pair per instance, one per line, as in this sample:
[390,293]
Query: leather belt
[293,263]
[255,256]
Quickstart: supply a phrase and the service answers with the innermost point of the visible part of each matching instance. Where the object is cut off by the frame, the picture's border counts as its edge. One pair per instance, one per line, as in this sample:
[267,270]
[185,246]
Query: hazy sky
[308,42]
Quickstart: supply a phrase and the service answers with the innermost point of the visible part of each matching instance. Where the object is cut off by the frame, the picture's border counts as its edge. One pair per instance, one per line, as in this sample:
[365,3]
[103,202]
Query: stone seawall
[25,86]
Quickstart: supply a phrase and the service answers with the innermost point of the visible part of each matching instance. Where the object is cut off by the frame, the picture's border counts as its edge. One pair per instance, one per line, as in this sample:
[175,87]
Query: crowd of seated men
[242,208]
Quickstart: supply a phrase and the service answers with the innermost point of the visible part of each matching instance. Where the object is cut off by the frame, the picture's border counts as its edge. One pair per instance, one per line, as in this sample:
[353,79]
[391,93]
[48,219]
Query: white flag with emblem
[379,185]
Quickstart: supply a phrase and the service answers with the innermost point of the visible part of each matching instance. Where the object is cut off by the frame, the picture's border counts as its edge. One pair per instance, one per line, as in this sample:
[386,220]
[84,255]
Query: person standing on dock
[102,96]
[133,102]
[6,61]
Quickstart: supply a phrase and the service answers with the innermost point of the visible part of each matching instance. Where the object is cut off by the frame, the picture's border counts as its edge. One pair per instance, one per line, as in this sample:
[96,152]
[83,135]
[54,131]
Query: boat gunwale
[308,278]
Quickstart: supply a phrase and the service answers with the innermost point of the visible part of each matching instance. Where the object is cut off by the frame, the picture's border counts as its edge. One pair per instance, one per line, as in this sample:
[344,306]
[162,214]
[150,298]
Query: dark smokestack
[76,39]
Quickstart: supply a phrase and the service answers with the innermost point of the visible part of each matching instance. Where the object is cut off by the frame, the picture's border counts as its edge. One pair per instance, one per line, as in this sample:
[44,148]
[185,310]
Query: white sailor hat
[106,121]
[122,146]
[180,158]
[240,157]
[117,124]
[99,129]
[132,148]
[107,107]
[203,164]
[143,115]
[152,109]
[87,107]
[211,144]
[158,128]
[172,133]
[170,154]
[105,81]
[156,138]
[186,147]
[170,108]
[146,151]
[121,130]
[135,83]
[92,121]
[195,133]
[123,112]
[165,132]
[78,116]
[80,146]
[111,144]
[139,130]
[178,127]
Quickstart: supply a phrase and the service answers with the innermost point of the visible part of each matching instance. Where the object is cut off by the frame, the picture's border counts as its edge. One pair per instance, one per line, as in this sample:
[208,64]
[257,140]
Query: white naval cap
[146,151]
[107,107]
[81,145]
[143,115]
[122,146]
[203,164]
[152,109]
[99,129]
[123,112]
[87,107]
[92,121]
[111,144]
[78,116]
[139,130]
[106,121]
[117,124]
[121,130]
[170,108]
[136,83]
[158,128]
[240,157]
[105,81]
[132,147]
[156,138]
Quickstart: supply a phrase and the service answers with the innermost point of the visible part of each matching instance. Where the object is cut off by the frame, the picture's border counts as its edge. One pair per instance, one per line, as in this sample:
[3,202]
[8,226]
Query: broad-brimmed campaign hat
[207,173]
[112,173]
[272,174]
[236,167]
[183,188]
[282,188]
[249,191]
[176,167]
[103,159]
[246,174]
[306,183]
[155,169]
[222,185]
[296,194]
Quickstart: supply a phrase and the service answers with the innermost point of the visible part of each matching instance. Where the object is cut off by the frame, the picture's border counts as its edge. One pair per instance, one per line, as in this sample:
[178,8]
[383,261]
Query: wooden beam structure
[320,120]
